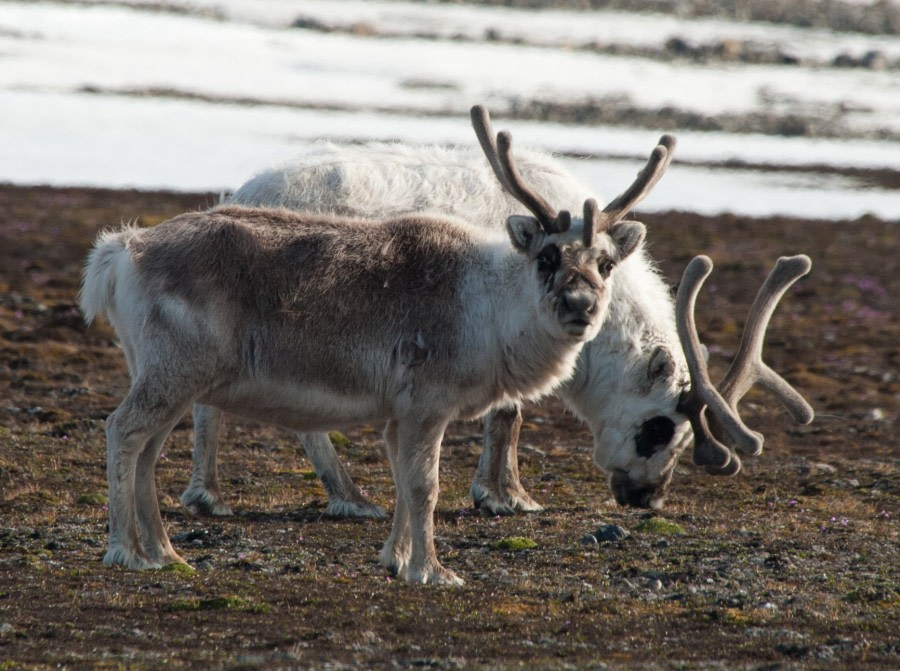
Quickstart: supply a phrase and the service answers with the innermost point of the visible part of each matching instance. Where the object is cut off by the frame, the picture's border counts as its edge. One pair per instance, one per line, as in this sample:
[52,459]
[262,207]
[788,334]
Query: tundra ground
[794,563]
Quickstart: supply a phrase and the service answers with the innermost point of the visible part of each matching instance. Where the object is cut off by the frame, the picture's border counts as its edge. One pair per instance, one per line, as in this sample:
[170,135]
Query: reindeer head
[711,413]
[574,262]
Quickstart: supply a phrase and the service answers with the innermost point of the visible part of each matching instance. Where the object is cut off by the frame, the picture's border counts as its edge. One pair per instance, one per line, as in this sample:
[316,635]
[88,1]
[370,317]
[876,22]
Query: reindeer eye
[548,261]
[605,266]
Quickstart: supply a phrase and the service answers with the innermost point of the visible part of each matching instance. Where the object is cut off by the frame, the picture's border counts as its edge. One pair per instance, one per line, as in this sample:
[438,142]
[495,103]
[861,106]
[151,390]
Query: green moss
[179,569]
[659,525]
[92,500]
[47,497]
[339,439]
[515,543]
[181,605]
[308,475]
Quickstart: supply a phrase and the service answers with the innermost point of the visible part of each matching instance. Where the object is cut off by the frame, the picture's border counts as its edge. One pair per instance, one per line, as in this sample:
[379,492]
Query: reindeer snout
[580,302]
[629,493]
[579,309]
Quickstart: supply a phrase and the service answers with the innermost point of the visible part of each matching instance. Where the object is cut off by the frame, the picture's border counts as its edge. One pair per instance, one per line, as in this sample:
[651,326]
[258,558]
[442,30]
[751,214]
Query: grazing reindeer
[311,321]
[630,379]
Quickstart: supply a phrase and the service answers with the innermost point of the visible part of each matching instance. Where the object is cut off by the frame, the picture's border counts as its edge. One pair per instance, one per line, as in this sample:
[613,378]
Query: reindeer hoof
[204,502]
[394,561]
[134,560]
[433,575]
[507,501]
[355,509]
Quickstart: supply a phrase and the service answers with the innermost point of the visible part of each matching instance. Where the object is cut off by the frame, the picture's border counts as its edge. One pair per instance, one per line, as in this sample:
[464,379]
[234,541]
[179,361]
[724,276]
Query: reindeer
[314,321]
[630,383]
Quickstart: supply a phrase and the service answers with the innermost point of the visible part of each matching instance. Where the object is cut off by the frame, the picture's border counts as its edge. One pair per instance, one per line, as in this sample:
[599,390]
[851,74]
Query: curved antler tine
[646,179]
[707,450]
[733,467]
[591,214]
[501,162]
[481,123]
[522,192]
[748,367]
[563,221]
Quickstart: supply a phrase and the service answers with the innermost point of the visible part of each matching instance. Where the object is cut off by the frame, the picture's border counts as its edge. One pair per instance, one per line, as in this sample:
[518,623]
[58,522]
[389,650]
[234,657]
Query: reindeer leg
[344,497]
[496,488]
[418,459]
[202,497]
[397,549]
[139,421]
[154,538]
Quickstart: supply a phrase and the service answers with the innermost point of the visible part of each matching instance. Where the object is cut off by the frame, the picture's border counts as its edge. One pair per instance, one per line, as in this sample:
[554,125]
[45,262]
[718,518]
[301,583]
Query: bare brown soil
[794,563]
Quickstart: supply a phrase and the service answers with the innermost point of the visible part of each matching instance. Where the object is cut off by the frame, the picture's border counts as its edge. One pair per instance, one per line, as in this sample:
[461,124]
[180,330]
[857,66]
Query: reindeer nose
[580,302]
[628,493]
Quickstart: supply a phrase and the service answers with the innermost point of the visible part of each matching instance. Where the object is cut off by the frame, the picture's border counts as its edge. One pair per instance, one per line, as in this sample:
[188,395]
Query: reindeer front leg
[418,458]
[397,549]
[496,488]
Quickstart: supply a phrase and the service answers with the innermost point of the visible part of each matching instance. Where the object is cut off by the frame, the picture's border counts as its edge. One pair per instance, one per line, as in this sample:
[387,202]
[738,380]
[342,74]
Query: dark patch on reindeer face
[654,436]
[629,493]
[548,261]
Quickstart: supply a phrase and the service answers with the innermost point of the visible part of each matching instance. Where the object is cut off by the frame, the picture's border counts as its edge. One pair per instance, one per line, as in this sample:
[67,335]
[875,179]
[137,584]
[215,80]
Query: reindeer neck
[518,333]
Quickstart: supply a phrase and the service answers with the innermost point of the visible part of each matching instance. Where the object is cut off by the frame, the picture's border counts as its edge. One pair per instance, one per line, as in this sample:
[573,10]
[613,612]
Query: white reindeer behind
[630,380]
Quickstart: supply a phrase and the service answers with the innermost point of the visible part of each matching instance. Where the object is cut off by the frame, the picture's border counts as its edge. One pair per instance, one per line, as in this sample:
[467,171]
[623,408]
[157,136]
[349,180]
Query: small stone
[190,536]
[589,541]
[611,533]
[821,467]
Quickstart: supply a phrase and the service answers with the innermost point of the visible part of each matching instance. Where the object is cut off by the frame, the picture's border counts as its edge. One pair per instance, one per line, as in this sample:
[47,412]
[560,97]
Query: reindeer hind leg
[344,498]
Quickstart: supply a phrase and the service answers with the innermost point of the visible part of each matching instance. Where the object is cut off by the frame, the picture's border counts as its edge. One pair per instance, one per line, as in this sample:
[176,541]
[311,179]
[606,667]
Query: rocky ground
[794,563]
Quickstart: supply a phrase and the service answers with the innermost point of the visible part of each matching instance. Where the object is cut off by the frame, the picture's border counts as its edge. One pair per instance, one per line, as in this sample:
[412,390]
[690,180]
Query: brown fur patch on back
[312,277]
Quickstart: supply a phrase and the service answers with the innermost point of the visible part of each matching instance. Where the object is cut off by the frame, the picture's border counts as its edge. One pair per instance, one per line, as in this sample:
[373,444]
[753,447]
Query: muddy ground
[794,563]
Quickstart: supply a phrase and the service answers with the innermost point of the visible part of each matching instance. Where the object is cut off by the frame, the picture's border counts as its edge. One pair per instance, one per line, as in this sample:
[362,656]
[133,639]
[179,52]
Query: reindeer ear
[525,232]
[628,236]
[661,365]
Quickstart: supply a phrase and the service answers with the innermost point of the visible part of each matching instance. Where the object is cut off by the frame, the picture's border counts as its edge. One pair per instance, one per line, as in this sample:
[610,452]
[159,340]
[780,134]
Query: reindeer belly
[302,407]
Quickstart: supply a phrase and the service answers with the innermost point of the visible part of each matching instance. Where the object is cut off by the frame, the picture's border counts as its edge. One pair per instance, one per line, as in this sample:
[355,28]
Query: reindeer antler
[499,155]
[747,368]
[646,179]
[508,174]
[591,214]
